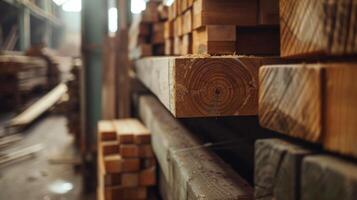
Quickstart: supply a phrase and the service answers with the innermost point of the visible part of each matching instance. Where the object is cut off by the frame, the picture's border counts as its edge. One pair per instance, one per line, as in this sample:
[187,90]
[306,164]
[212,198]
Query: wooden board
[106,131]
[318,27]
[315,102]
[39,107]
[214,40]
[325,177]
[199,172]
[186,44]
[204,86]
[228,12]
[277,169]
[132,131]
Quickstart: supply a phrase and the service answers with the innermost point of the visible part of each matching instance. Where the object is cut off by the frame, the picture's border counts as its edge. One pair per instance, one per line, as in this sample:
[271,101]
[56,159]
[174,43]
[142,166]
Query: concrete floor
[38,178]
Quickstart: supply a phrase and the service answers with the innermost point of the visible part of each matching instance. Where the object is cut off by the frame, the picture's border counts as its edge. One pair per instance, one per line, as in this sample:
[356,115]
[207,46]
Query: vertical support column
[94,29]
[24,28]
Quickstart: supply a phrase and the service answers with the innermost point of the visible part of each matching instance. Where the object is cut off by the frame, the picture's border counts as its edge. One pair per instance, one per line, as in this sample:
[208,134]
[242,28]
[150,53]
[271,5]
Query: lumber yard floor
[50,174]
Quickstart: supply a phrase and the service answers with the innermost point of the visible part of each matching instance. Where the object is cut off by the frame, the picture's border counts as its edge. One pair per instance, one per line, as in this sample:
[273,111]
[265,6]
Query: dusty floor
[38,178]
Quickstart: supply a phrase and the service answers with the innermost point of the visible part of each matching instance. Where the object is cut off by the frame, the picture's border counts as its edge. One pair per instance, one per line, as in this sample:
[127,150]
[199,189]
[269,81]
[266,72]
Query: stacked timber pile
[312,105]
[53,73]
[146,34]
[126,162]
[20,77]
[315,102]
[73,105]
[215,27]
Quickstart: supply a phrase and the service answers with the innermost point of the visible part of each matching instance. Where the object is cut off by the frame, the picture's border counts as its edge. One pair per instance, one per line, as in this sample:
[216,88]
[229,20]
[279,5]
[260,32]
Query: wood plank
[117,164]
[315,102]
[290,100]
[199,172]
[106,130]
[39,107]
[132,131]
[228,12]
[129,151]
[147,177]
[326,177]
[204,86]
[110,147]
[130,180]
[214,39]
[169,47]
[187,22]
[169,29]
[186,44]
[311,28]
[277,169]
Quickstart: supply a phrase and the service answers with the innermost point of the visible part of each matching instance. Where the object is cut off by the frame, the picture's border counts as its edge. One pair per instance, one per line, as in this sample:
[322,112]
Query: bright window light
[72,6]
[59,2]
[137,6]
[169,2]
[113,19]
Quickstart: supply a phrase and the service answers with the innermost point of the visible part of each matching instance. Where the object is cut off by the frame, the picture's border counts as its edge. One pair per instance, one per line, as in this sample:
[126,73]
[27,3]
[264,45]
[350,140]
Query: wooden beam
[277,169]
[204,86]
[39,107]
[186,162]
[315,102]
[326,177]
[318,27]
[228,12]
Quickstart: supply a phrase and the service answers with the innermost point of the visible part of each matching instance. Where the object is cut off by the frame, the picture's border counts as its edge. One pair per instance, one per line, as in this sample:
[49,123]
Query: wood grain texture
[315,102]
[290,100]
[200,173]
[340,123]
[277,169]
[320,27]
[204,86]
[228,12]
[325,177]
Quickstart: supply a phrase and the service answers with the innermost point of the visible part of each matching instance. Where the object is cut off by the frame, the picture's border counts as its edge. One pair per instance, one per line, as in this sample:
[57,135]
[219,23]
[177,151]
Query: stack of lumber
[20,76]
[146,34]
[73,105]
[53,73]
[126,162]
[223,27]
[316,102]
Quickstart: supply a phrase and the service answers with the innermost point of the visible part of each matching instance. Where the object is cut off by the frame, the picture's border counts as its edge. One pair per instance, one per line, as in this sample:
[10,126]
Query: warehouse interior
[178,100]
